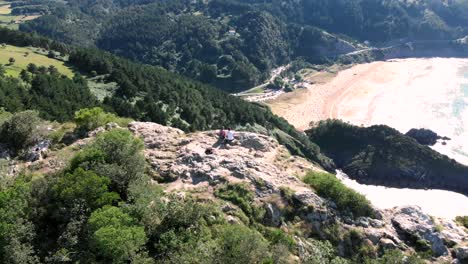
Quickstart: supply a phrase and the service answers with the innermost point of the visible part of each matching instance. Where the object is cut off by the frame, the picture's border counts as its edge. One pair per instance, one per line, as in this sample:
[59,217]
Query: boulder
[387,244]
[232,220]
[462,254]
[255,141]
[5,152]
[177,157]
[96,131]
[376,223]
[411,221]
[272,215]
[38,151]
[363,221]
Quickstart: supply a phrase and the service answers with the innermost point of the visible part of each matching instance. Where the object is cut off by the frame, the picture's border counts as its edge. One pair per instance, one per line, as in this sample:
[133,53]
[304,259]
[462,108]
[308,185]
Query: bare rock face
[5,152]
[462,254]
[388,244]
[415,224]
[183,160]
[273,215]
[38,151]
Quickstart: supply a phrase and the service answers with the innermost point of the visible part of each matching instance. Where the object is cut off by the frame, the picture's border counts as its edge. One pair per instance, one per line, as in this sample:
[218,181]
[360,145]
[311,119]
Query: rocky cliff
[198,165]
[181,163]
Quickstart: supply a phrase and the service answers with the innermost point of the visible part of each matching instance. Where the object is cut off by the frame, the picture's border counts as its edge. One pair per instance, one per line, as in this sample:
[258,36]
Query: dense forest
[143,92]
[233,44]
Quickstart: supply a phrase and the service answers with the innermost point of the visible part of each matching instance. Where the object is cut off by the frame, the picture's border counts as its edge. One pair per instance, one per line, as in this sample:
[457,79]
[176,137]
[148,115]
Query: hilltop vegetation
[328,186]
[382,155]
[144,93]
[234,44]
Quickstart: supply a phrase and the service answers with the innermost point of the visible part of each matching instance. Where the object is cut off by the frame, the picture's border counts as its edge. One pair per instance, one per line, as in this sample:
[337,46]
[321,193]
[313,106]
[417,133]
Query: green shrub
[116,154]
[287,193]
[394,256]
[85,186]
[357,247]
[334,233]
[178,227]
[238,194]
[21,130]
[57,135]
[115,234]
[278,236]
[16,232]
[462,220]
[321,252]
[239,244]
[346,199]
[91,118]
[4,116]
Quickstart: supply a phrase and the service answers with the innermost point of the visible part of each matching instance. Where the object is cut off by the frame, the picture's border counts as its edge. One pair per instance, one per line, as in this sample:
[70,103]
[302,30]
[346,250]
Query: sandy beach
[404,94]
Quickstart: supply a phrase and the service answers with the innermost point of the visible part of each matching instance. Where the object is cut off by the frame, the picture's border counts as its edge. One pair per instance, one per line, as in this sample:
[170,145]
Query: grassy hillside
[38,56]
[6,17]
[151,93]
[25,55]
[12,21]
[234,44]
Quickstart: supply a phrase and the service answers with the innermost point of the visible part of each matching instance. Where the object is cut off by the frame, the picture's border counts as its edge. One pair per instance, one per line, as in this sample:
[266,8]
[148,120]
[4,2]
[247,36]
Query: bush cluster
[346,199]
[462,220]
[89,119]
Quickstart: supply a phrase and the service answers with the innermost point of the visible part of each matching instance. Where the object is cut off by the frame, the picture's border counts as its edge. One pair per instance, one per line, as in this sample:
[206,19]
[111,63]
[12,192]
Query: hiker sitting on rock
[229,137]
[222,134]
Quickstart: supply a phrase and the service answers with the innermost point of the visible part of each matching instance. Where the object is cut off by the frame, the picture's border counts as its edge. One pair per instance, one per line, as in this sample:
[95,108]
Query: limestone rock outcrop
[182,159]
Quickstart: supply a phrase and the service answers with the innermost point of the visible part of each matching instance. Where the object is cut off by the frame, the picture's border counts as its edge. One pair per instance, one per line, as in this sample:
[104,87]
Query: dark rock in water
[424,136]
[444,143]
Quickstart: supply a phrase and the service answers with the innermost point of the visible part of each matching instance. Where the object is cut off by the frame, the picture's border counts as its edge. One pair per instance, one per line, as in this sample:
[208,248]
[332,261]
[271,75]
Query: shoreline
[438,203]
[400,93]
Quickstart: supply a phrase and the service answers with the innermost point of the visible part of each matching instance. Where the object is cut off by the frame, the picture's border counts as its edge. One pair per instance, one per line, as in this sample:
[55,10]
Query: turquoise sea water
[454,115]
[459,110]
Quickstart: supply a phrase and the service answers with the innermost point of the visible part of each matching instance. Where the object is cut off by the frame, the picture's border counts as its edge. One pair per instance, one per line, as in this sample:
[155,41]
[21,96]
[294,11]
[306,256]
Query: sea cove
[427,93]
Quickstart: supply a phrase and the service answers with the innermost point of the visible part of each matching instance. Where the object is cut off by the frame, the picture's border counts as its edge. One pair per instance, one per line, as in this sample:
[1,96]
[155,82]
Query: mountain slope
[153,94]
[234,44]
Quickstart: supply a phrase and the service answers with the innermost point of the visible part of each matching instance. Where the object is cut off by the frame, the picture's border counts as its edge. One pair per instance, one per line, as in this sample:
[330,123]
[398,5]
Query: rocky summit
[198,163]
[184,161]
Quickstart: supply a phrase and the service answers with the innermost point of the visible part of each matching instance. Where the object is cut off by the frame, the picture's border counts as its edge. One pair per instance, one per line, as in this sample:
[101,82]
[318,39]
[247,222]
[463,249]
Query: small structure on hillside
[232,32]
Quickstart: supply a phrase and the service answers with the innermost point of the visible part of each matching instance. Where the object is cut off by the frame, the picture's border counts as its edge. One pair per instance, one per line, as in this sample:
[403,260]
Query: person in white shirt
[229,136]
